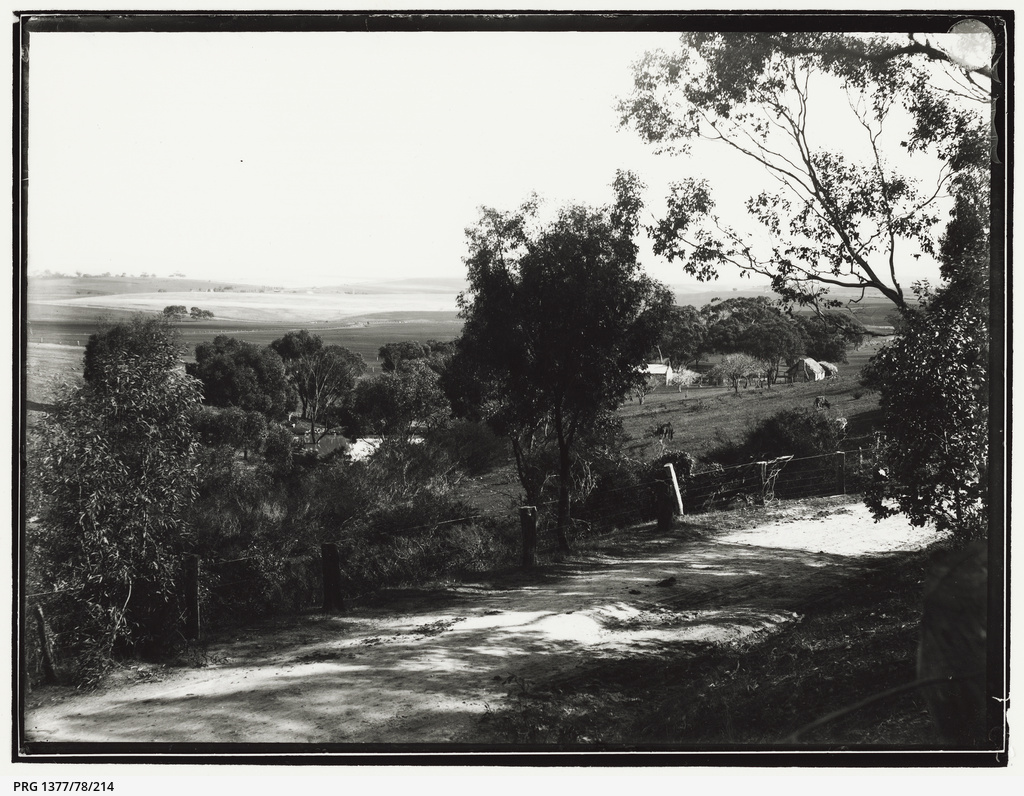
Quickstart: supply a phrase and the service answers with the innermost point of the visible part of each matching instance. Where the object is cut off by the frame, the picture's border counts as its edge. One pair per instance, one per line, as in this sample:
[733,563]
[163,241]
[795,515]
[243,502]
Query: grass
[708,418]
[765,691]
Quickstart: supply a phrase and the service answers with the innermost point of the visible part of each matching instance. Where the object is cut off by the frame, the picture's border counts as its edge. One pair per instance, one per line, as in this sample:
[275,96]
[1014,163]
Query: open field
[62,313]
[271,307]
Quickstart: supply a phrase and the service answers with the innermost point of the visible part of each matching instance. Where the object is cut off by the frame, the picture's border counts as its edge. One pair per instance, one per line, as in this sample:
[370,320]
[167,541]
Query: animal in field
[663,432]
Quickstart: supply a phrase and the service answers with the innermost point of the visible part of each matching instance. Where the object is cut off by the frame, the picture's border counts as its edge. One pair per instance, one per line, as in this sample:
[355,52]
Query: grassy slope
[704,418]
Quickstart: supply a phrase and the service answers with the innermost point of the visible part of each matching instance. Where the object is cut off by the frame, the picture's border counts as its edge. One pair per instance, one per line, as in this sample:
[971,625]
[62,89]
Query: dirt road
[422,667]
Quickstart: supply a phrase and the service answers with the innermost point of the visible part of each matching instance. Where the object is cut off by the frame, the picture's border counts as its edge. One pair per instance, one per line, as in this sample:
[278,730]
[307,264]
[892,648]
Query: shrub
[800,432]
[612,493]
[475,447]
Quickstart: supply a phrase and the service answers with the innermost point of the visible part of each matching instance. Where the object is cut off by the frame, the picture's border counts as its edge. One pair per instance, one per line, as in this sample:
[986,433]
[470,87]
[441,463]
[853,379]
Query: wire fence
[232,591]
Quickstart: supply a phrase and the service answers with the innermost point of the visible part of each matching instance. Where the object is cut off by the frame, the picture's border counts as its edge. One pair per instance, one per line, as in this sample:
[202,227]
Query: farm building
[806,369]
[660,373]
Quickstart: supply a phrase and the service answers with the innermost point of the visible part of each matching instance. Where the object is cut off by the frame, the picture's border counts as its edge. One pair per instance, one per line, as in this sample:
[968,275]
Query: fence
[224,592]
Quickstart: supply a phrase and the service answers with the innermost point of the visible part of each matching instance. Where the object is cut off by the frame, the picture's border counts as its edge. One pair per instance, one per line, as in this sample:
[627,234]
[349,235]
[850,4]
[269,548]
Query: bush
[472,445]
[797,432]
[616,493]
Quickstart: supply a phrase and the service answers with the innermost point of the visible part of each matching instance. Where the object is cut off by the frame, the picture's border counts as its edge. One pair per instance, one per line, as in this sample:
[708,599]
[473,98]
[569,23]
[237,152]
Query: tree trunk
[532,493]
[564,467]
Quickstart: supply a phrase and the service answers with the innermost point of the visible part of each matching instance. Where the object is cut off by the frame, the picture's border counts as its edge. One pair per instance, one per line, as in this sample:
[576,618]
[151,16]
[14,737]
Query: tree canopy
[756,327]
[152,338]
[559,318]
[323,376]
[840,217]
[397,403]
[683,339]
[236,373]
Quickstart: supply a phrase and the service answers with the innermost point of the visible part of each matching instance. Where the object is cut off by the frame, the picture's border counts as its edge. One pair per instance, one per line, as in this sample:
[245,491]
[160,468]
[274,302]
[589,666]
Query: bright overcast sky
[325,158]
[313,158]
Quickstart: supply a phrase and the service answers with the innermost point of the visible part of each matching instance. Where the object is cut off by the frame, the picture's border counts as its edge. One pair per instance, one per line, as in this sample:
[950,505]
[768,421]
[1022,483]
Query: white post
[675,484]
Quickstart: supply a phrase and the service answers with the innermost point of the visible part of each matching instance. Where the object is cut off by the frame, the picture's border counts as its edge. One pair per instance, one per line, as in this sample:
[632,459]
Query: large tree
[397,403]
[829,335]
[323,376]
[559,318]
[324,380]
[845,216]
[683,340]
[236,373]
[756,327]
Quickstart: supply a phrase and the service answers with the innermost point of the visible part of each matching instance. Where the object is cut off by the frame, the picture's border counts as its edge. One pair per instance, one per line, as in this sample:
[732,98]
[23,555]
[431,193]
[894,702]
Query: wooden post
[664,505]
[675,487]
[331,560]
[841,471]
[190,582]
[45,647]
[528,520]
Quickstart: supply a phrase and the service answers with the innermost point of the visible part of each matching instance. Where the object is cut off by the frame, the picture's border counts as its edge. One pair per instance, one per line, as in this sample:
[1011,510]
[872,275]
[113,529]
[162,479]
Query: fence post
[331,561]
[528,520]
[665,500]
[45,646]
[841,471]
[675,486]
[191,586]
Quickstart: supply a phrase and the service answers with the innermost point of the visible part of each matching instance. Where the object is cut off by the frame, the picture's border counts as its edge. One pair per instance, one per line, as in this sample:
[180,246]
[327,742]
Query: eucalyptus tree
[840,216]
[559,318]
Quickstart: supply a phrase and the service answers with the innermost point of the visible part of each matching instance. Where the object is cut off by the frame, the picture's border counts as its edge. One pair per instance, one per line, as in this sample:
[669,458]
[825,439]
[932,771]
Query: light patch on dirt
[385,673]
[847,533]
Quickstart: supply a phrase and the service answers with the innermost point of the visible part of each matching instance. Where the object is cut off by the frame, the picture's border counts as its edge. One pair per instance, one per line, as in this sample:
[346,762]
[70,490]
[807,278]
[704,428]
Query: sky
[324,158]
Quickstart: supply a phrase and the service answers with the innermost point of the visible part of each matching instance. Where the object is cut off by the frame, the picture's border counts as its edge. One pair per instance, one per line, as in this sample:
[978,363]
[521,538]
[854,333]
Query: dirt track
[422,667]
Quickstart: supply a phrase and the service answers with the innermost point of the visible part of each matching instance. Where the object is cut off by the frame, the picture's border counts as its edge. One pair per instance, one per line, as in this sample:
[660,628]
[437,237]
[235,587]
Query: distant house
[659,372]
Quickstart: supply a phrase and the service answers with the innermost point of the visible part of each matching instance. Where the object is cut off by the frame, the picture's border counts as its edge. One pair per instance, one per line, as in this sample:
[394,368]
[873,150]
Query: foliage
[734,367]
[236,373]
[472,444]
[559,318]
[231,426]
[153,339]
[295,345]
[829,335]
[682,340]
[323,376]
[753,326]
[841,218]
[175,312]
[933,380]
[400,402]
[324,380]
[797,432]
[118,476]
[684,378]
[198,315]
[392,355]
